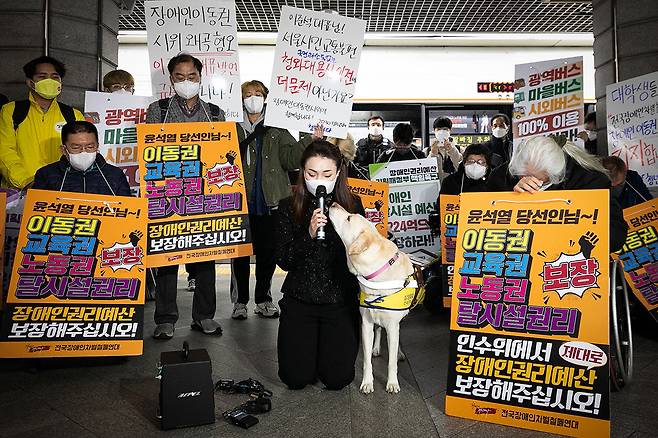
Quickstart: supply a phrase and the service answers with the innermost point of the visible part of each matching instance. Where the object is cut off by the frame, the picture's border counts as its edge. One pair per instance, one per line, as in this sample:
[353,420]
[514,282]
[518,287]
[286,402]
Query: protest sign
[194,183]
[205,29]
[640,253]
[314,74]
[529,325]
[413,192]
[548,99]
[631,107]
[449,214]
[374,197]
[115,116]
[77,287]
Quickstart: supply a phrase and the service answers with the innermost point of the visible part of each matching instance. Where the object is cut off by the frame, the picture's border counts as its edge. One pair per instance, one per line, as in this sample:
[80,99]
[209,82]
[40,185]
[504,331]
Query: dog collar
[386,265]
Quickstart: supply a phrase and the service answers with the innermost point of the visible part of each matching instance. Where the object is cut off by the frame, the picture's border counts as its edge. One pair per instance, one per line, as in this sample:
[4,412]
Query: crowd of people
[46,144]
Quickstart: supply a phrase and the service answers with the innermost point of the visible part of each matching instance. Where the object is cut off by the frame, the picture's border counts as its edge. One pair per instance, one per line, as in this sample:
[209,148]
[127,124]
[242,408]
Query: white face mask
[475,170]
[121,91]
[442,135]
[591,135]
[313,184]
[375,131]
[82,161]
[254,104]
[187,89]
[499,132]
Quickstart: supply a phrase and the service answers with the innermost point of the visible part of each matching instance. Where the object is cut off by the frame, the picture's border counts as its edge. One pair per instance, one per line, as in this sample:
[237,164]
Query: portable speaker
[187,395]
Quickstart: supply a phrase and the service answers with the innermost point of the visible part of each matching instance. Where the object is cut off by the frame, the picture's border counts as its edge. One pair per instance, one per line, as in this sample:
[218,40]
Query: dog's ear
[360,244]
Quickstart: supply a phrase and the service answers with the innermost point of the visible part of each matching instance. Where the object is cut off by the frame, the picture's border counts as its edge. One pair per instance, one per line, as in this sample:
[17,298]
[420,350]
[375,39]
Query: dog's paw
[393,387]
[367,387]
[376,352]
[401,356]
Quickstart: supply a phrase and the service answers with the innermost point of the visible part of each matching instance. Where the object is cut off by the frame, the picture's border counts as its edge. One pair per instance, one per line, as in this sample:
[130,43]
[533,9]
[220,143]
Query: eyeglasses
[77,148]
[480,162]
[117,87]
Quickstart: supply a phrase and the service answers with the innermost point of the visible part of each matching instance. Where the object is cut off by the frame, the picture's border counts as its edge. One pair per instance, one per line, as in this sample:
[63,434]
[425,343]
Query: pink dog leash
[386,265]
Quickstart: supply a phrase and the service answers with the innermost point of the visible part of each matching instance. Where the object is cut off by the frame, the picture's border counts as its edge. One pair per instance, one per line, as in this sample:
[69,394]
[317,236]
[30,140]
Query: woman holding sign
[540,163]
[319,310]
[268,154]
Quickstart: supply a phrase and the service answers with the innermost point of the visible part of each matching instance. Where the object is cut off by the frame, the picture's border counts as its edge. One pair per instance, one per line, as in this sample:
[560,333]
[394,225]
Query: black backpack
[23,107]
[164,105]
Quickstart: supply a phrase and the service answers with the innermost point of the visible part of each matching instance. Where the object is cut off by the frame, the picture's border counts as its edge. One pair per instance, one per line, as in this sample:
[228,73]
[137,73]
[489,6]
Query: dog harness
[386,265]
[406,298]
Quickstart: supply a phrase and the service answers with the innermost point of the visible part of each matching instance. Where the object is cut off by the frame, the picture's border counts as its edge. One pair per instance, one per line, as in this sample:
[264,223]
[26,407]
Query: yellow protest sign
[374,197]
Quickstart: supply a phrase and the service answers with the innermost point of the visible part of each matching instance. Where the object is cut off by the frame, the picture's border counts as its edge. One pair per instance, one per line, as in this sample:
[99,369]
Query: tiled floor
[117,398]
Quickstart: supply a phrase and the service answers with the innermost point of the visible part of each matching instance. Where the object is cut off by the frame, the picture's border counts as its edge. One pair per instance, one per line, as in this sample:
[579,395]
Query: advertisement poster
[14,201]
[640,253]
[413,190]
[194,184]
[315,69]
[115,116]
[632,108]
[205,29]
[77,287]
[449,211]
[548,99]
[529,326]
[374,197]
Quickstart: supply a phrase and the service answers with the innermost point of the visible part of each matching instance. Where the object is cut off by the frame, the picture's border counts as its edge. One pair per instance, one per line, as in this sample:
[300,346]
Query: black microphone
[321,193]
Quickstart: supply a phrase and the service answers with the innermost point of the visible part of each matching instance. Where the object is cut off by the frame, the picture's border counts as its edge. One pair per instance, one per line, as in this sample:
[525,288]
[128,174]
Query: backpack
[164,105]
[23,107]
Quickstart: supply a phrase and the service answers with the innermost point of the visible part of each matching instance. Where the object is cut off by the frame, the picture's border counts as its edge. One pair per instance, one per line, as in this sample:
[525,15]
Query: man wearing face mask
[268,154]
[370,148]
[471,176]
[30,129]
[119,82]
[500,144]
[443,148]
[589,134]
[185,106]
[627,185]
[81,168]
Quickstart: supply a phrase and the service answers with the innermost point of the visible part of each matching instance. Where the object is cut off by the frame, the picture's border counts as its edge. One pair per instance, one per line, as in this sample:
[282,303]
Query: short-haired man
[627,184]
[368,149]
[30,129]
[81,168]
[443,148]
[403,136]
[185,106]
[119,81]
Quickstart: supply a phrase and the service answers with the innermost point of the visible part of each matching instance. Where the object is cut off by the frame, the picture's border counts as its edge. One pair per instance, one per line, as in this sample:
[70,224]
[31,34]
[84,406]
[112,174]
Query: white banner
[315,68]
[413,191]
[115,117]
[548,99]
[632,106]
[205,29]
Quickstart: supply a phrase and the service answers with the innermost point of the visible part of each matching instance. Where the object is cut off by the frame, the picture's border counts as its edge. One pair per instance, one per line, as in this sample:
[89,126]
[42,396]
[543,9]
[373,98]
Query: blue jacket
[630,197]
[100,179]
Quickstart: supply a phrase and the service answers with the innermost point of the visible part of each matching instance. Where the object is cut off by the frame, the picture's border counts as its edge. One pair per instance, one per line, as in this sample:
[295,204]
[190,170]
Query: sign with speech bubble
[530,318]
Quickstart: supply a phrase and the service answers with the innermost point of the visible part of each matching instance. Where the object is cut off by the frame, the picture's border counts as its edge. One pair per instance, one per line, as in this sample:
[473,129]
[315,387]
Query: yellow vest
[33,145]
[405,299]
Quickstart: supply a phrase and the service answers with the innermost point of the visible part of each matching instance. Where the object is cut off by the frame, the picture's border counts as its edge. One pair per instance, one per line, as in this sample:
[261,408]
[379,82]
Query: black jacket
[401,154]
[50,177]
[501,150]
[576,178]
[634,191]
[367,150]
[317,270]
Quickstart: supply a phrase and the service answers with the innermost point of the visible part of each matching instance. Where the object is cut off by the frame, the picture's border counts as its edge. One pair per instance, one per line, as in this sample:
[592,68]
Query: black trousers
[204,302]
[317,341]
[263,230]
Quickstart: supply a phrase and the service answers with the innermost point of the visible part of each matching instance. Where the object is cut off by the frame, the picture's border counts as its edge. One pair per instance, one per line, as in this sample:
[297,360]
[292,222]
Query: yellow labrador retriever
[387,290]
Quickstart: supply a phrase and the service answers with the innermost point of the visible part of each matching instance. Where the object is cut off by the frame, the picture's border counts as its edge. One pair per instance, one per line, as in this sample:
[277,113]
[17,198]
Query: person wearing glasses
[472,172]
[119,81]
[81,168]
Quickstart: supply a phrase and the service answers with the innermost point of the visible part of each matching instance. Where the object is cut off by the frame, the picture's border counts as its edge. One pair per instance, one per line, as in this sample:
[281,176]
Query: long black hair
[302,197]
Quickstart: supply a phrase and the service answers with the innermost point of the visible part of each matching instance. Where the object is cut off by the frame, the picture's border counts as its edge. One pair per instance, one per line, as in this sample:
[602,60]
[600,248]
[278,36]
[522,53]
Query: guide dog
[388,289]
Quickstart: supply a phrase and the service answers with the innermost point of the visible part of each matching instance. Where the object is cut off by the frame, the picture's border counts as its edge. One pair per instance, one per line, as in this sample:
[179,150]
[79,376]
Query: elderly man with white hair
[540,163]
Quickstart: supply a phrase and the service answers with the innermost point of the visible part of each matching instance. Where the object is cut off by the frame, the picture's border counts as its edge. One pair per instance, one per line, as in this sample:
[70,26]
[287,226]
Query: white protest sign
[413,192]
[205,29]
[632,106]
[115,116]
[548,99]
[314,74]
